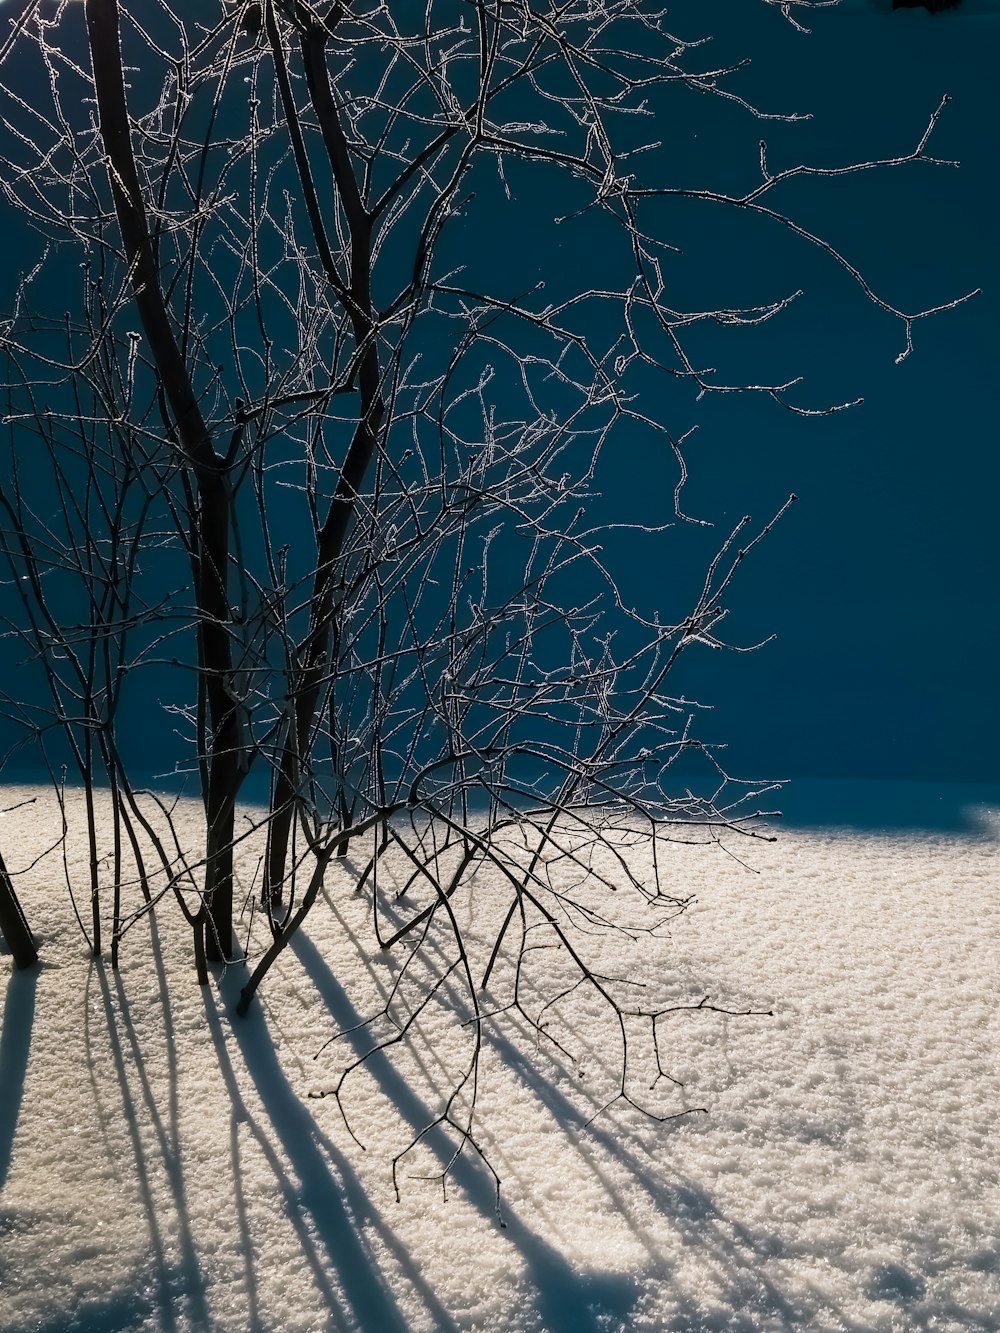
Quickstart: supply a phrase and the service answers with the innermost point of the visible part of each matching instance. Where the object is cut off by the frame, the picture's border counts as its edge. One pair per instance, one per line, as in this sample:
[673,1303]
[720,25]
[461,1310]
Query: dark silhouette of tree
[13,926]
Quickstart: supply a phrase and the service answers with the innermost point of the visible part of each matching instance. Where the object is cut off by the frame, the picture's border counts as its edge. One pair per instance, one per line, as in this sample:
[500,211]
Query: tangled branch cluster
[309,459]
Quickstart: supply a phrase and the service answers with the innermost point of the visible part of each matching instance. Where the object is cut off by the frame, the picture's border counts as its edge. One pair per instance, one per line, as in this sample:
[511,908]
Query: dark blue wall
[880,585]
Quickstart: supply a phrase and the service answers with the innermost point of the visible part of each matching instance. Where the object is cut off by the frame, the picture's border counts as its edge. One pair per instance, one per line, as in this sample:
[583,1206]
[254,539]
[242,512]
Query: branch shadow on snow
[329,1209]
[568,1301]
[749,1262]
[737,1252]
[177,1288]
[15,1044]
[753,1265]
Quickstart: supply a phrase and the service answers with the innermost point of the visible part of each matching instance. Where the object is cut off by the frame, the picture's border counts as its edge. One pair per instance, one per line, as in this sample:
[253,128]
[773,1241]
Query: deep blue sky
[880,585]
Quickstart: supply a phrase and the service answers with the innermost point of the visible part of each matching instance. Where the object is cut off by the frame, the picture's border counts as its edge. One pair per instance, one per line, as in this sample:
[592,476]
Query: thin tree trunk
[313,658]
[13,925]
[212,521]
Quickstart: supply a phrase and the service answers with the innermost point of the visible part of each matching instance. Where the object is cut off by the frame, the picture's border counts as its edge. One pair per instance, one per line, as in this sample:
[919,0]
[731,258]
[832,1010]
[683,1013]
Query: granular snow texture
[163,1166]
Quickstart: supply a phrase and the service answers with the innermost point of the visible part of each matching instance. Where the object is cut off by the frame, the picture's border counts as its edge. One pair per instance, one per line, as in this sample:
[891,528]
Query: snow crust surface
[163,1166]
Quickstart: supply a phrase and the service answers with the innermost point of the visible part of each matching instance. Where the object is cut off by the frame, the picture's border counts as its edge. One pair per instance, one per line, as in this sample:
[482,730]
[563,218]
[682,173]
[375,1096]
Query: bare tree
[363,459]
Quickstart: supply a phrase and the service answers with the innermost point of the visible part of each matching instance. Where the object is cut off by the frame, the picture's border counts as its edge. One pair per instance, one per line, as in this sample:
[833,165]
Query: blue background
[879,586]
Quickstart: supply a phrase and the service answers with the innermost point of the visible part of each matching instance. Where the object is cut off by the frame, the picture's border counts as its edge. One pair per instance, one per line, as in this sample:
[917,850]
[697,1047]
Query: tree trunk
[13,925]
[211,523]
[357,299]
[219,885]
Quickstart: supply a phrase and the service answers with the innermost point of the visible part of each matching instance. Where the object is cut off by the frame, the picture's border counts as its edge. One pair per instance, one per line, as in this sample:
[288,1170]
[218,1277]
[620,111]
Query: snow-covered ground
[163,1166]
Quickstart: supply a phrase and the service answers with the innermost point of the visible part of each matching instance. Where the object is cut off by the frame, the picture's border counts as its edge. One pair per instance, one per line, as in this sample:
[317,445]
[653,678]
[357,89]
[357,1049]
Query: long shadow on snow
[568,1301]
[15,1045]
[743,1256]
[738,1252]
[330,1192]
[183,1281]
